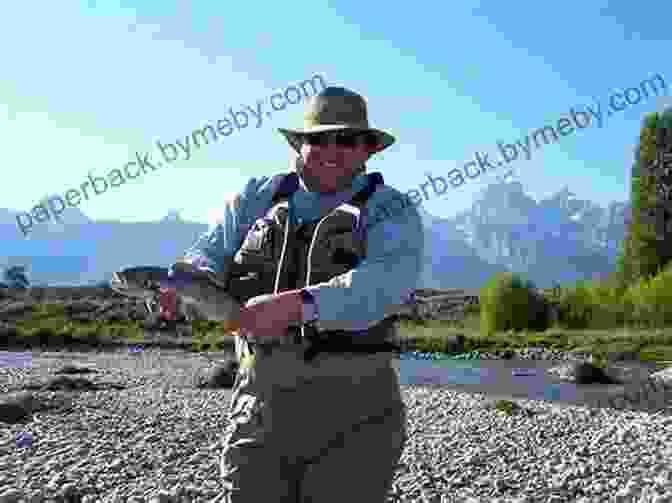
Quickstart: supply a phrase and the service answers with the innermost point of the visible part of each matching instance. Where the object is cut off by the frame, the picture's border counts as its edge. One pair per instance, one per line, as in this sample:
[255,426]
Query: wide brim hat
[336,109]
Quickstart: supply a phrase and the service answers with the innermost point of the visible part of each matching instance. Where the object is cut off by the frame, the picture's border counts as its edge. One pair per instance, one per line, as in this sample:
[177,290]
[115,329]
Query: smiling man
[316,413]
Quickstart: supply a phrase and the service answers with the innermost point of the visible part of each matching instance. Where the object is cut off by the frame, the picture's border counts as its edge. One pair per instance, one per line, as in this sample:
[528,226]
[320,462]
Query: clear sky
[86,85]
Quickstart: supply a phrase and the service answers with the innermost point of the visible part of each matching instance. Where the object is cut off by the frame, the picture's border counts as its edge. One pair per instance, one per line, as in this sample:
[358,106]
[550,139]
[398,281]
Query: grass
[49,327]
[652,345]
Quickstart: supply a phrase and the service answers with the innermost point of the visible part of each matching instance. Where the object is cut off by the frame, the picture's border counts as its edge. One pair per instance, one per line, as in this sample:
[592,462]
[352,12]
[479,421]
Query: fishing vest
[282,253]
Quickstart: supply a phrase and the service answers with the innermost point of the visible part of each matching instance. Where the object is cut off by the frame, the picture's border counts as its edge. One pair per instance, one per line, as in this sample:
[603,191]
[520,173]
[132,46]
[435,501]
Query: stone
[10,495]
[20,408]
[17,310]
[664,375]
[220,376]
[72,369]
[582,373]
[66,383]
[80,306]
[620,356]
[455,343]
[15,410]
[7,330]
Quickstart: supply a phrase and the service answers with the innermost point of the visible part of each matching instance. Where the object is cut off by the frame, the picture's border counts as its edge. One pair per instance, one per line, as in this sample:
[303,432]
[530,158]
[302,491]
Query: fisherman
[330,255]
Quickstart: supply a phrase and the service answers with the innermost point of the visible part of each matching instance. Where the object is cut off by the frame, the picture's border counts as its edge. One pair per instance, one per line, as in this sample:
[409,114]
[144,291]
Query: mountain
[561,238]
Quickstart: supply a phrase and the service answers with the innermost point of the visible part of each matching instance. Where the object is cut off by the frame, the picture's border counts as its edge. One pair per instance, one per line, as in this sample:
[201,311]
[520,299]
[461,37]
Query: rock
[10,495]
[58,394]
[164,497]
[69,492]
[17,310]
[620,356]
[80,306]
[15,410]
[582,373]
[664,375]
[506,406]
[7,330]
[220,376]
[72,369]
[21,407]
[455,344]
[66,383]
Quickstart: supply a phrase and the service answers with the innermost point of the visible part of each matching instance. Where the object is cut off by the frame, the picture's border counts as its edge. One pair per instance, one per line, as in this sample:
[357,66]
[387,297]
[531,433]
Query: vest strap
[282,187]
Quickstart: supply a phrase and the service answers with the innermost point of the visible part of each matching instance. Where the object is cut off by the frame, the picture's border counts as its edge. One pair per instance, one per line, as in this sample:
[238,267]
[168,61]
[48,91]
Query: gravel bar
[159,440]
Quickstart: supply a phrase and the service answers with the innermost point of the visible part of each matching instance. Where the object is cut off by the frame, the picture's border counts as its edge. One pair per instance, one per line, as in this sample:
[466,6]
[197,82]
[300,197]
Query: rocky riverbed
[158,439]
[146,433]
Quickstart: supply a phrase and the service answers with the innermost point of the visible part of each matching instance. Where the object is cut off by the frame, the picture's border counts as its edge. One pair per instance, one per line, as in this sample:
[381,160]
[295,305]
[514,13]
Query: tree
[648,244]
[16,277]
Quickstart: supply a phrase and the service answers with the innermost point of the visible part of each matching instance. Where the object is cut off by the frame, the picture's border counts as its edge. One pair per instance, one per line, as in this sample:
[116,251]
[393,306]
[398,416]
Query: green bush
[508,302]
[649,300]
[576,307]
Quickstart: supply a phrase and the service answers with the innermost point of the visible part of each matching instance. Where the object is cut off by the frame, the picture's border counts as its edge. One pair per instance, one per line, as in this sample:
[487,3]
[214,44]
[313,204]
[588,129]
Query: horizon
[477,197]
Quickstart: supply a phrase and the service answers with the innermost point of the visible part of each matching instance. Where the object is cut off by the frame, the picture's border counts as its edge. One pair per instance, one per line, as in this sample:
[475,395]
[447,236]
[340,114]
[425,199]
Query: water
[13,359]
[504,378]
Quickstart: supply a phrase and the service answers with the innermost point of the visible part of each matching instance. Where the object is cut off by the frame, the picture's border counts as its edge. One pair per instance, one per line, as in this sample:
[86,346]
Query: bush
[576,307]
[649,300]
[510,303]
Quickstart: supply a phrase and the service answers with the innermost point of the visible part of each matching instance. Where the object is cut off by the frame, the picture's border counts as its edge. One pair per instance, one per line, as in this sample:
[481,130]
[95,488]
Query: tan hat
[336,109]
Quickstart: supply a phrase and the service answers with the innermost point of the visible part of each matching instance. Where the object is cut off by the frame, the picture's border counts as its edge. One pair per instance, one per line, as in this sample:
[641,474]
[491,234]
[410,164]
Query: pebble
[159,441]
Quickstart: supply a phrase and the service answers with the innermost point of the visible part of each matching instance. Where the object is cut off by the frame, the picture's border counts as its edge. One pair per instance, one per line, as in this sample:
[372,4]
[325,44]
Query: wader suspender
[282,187]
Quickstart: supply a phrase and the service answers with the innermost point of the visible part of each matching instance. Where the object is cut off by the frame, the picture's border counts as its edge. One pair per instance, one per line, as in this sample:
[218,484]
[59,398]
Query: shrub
[650,300]
[576,307]
[509,302]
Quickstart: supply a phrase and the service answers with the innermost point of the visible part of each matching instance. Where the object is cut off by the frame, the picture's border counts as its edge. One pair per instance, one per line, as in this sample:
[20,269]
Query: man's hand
[271,315]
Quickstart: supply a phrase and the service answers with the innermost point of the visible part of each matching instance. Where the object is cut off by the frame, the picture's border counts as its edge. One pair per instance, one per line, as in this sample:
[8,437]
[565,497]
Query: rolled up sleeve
[382,283]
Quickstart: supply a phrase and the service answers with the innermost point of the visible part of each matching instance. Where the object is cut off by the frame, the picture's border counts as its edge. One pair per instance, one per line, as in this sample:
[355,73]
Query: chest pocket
[336,252]
[259,248]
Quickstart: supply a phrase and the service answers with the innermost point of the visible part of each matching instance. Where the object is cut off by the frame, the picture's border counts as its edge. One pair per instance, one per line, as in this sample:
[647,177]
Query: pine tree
[648,243]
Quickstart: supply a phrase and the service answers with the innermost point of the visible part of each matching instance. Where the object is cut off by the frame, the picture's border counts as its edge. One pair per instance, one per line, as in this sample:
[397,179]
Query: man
[316,412]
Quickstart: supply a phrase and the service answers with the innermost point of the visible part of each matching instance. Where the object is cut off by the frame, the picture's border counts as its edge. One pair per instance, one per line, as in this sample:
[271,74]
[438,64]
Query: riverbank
[109,323]
[163,439]
[430,343]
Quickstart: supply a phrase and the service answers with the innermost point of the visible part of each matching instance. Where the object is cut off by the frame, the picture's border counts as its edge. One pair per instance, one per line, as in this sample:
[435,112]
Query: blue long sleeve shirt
[379,286]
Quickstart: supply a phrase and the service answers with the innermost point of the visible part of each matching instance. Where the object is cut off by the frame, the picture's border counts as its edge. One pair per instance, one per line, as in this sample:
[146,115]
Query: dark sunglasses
[341,139]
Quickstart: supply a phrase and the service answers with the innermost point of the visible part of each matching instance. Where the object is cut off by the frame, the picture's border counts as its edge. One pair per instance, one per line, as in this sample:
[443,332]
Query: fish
[198,288]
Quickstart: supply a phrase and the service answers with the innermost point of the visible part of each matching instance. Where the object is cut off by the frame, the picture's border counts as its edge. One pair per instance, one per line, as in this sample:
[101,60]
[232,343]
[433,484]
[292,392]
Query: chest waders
[281,252]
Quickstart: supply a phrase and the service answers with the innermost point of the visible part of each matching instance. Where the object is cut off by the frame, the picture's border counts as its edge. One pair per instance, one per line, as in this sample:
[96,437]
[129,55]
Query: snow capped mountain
[561,238]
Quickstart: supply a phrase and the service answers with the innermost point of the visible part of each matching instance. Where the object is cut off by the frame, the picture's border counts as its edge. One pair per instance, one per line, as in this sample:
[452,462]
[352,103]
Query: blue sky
[86,85]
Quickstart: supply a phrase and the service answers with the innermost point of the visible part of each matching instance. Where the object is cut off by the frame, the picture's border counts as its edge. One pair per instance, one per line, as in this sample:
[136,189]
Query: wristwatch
[308,336]
[310,314]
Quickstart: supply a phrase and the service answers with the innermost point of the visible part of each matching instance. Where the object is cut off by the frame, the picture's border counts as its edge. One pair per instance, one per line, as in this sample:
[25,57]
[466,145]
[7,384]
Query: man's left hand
[271,315]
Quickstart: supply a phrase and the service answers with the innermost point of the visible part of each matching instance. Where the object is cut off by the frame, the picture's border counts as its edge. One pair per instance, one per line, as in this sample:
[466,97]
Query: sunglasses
[341,139]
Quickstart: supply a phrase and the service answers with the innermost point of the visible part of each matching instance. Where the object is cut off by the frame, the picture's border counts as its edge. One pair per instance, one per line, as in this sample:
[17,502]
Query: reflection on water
[15,360]
[520,378]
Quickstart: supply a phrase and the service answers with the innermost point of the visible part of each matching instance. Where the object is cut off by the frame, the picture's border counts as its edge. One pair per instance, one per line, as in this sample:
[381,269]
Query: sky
[87,85]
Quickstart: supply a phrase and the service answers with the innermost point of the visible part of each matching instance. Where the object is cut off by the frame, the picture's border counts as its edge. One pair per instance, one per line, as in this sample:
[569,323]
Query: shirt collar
[310,205]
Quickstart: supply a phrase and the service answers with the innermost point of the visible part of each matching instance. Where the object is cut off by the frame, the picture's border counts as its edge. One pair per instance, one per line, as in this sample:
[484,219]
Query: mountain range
[560,239]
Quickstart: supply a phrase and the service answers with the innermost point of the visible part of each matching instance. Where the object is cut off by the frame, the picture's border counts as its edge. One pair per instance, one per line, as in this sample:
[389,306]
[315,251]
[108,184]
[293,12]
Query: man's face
[331,159]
